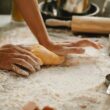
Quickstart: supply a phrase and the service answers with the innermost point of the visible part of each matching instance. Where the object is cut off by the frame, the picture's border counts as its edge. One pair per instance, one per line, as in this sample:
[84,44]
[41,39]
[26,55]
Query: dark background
[5,5]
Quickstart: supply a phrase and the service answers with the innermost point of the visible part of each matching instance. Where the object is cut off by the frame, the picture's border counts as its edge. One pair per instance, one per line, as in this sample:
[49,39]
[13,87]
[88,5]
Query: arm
[30,11]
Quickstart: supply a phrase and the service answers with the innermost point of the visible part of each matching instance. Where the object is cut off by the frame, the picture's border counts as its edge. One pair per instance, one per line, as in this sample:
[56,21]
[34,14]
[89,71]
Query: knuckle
[13,50]
[13,54]
[20,60]
[11,46]
[28,58]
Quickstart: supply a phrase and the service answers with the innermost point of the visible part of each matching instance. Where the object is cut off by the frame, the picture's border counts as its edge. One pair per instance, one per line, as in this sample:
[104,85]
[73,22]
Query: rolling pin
[83,24]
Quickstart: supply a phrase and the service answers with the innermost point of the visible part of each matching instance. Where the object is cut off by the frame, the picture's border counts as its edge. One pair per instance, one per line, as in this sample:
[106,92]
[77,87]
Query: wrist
[46,43]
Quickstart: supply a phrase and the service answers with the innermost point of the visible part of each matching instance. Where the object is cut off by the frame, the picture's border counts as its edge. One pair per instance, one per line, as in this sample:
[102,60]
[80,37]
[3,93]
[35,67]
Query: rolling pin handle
[56,22]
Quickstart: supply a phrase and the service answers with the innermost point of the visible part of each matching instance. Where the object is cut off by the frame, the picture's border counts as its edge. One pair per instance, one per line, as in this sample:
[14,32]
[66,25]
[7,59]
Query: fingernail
[24,73]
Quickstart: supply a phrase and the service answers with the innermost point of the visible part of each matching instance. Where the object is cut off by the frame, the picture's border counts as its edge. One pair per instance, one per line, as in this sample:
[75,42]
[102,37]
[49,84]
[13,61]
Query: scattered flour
[65,88]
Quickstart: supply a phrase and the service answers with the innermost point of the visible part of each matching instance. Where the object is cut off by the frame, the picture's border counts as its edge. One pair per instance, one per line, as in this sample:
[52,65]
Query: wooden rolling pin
[83,24]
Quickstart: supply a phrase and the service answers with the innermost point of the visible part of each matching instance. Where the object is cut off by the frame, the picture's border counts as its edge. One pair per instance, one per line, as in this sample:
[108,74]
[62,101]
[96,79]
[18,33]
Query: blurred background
[5,6]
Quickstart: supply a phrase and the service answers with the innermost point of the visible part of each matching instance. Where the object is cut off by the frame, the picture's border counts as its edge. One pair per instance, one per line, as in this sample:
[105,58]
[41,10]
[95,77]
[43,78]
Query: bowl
[107,79]
[92,10]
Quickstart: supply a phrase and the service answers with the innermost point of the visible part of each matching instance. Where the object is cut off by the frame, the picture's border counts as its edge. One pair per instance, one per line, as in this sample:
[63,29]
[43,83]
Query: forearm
[31,14]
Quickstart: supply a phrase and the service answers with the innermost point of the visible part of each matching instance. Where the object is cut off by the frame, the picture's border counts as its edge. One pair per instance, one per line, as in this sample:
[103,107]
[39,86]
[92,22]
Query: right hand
[19,60]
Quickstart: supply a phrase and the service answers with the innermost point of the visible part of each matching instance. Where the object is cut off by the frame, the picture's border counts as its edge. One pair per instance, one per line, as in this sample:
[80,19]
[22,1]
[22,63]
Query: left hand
[19,60]
[83,43]
[75,47]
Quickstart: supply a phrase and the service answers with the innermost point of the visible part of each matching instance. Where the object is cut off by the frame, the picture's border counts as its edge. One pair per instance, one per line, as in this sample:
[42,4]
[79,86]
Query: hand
[18,59]
[31,106]
[87,43]
[75,47]
[64,49]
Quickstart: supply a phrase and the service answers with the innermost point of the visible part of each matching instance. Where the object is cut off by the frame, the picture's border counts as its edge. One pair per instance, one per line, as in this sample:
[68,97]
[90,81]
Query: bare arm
[30,11]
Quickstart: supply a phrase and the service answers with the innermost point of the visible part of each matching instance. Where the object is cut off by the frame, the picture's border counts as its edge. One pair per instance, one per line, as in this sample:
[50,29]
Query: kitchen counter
[76,85]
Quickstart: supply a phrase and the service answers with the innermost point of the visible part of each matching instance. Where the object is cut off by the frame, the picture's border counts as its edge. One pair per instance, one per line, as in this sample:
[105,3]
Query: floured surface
[72,86]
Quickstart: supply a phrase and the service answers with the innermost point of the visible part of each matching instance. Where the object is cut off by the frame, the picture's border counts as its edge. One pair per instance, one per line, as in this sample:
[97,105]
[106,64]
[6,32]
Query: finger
[35,64]
[30,106]
[95,45]
[71,50]
[24,64]
[81,43]
[8,50]
[8,46]
[92,43]
[24,51]
[30,54]
[19,71]
[74,50]
[62,43]
[86,43]
[100,45]
[27,47]
[38,60]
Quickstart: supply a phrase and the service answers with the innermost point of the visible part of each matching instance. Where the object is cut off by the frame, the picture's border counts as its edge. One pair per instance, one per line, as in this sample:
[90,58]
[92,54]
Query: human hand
[75,47]
[61,49]
[87,43]
[19,60]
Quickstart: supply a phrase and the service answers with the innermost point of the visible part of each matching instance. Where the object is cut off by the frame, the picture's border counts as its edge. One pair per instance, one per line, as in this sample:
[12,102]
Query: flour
[62,87]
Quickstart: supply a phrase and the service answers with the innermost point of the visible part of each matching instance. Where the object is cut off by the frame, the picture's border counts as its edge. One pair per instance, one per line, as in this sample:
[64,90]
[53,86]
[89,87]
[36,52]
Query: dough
[46,56]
